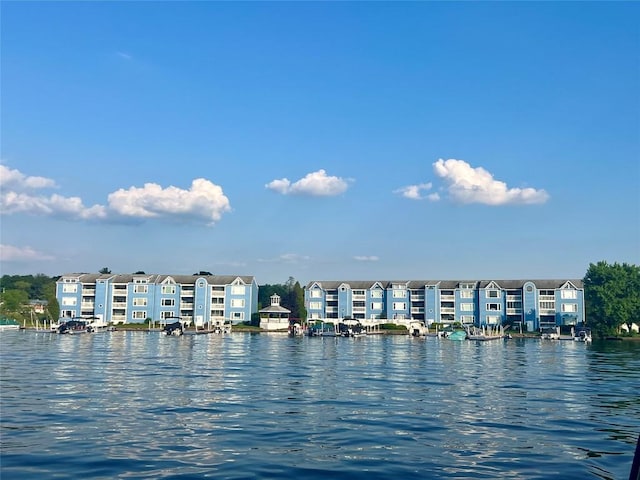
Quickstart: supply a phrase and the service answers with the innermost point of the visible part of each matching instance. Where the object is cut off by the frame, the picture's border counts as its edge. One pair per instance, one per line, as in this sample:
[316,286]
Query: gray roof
[446,284]
[159,278]
[274,309]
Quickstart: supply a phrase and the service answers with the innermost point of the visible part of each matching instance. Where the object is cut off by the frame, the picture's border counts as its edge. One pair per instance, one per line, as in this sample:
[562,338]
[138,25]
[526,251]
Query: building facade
[531,303]
[198,299]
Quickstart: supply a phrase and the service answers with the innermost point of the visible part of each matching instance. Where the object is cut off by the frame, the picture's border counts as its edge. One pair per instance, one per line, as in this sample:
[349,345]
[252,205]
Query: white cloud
[286,258]
[476,185]
[414,192]
[11,253]
[16,180]
[124,55]
[17,197]
[204,200]
[365,258]
[316,184]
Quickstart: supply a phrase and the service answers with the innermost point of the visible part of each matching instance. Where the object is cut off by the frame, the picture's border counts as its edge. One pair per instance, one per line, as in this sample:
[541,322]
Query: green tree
[13,301]
[612,296]
[104,271]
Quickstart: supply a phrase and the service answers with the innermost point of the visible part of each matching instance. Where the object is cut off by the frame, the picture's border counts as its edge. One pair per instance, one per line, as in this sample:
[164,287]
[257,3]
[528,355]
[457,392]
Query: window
[140,288]
[569,294]
[468,286]
[376,293]
[139,315]
[547,305]
[399,305]
[358,292]
[514,305]
[315,305]
[316,293]
[69,301]
[140,302]
[69,288]
[467,318]
[237,303]
[164,315]
[376,305]
[493,294]
[168,289]
[237,316]
[466,307]
[493,319]
[399,294]
[529,288]
[167,302]
[139,280]
[570,307]
[238,290]
[494,306]
[466,293]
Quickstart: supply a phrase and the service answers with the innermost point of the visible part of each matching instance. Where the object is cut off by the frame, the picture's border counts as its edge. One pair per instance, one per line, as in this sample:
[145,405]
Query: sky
[320,140]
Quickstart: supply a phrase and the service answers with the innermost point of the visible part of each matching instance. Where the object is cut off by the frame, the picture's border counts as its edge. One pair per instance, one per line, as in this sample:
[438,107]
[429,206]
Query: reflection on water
[141,405]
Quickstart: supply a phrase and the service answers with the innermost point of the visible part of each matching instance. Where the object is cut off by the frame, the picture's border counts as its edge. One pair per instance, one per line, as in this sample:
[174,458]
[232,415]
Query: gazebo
[274,317]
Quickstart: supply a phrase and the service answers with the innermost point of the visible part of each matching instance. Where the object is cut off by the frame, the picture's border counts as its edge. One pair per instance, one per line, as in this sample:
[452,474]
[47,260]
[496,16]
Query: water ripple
[137,405]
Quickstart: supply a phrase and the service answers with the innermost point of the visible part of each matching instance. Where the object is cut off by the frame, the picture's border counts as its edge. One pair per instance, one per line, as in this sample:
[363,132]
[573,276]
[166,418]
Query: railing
[186,293]
[447,298]
[447,310]
[186,306]
[119,305]
[90,305]
[88,291]
[331,297]
[118,318]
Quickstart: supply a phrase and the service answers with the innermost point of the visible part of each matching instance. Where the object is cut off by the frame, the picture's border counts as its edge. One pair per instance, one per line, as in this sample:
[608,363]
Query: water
[137,405]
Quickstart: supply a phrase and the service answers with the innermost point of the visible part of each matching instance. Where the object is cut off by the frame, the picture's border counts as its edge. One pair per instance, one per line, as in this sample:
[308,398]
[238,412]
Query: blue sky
[330,140]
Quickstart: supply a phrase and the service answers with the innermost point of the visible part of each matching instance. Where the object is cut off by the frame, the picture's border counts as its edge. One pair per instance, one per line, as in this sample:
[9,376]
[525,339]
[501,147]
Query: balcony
[447,310]
[186,293]
[331,297]
[186,306]
[89,292]
[87,305]
[417,310]
[447,298]
[119,305]
[118,318]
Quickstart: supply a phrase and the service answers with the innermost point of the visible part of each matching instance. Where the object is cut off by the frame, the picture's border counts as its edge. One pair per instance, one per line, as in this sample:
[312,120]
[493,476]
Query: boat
[418,329]
[456,335]
[72,327]
[583,335]
[485,333]
[174,329]
[550,333]
[96,324]
[9,324]
[295,329]
[351,328]
[322,329]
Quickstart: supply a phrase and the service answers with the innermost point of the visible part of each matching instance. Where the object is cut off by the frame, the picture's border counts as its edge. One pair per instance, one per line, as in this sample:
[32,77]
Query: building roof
[445,284]
[158,278]
[274,309]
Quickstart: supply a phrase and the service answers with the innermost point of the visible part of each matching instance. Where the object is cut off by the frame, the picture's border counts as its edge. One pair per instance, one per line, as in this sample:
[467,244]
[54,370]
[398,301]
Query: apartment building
[199,299]
[530,303]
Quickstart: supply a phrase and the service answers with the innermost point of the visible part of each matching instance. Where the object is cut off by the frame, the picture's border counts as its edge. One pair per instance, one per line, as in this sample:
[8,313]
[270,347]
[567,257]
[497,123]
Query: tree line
[612,296]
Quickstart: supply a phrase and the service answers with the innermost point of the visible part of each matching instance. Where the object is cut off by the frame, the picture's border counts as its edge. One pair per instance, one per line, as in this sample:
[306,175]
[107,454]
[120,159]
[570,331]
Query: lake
[137,405]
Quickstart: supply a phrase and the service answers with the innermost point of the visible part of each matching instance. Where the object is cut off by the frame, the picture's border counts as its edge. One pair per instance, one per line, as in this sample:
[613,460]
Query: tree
[612,296]
[104,271]
[14,300]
